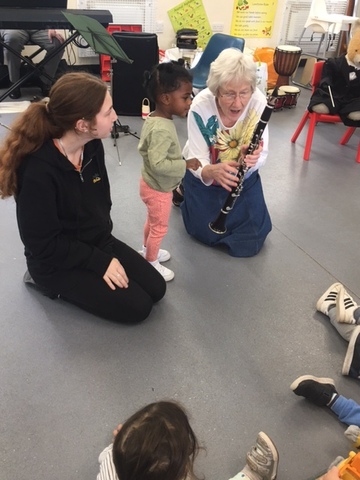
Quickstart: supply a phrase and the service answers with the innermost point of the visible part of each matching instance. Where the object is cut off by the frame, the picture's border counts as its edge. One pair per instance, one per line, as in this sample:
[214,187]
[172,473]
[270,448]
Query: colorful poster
[253,18]
[191,14]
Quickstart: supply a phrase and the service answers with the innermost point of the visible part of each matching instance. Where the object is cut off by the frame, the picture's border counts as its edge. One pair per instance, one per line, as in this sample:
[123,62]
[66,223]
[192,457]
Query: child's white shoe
[165,272]
[262,460]
[345,307]
[328,299]
[163,255]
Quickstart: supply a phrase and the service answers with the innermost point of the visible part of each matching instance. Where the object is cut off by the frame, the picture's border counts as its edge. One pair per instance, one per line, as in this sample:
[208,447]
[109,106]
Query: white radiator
[130,12]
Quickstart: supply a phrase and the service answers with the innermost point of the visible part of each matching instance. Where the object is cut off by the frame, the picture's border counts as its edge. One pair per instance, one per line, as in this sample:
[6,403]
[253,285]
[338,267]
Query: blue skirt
[248,223]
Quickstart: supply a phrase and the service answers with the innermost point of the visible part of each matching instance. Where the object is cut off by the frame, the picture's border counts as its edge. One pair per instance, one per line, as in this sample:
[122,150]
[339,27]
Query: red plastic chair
[346,137]
[312,116]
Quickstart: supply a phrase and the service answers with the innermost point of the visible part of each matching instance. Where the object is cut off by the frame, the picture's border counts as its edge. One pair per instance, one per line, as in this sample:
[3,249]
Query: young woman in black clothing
[52,162]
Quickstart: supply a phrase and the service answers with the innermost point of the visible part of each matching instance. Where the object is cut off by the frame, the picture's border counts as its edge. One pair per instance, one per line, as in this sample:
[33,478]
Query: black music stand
[97,36]
[101,42]
[35,68]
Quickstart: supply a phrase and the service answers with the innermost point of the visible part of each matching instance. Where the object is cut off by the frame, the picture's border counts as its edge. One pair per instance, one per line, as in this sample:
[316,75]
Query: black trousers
[89,291]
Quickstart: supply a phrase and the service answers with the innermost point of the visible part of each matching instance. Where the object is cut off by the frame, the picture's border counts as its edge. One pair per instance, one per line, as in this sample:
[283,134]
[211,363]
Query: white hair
[231,66]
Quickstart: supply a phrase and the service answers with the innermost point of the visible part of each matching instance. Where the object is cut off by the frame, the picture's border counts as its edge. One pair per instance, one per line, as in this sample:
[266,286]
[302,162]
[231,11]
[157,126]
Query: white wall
[219,11]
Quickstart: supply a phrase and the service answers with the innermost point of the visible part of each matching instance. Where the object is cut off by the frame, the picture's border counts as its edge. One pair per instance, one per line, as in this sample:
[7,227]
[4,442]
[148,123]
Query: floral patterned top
[211,142]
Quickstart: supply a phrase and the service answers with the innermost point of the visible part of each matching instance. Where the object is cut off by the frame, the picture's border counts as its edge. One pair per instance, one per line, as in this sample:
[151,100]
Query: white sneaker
[328,298]
[345,307]
[165,272]
[163,255]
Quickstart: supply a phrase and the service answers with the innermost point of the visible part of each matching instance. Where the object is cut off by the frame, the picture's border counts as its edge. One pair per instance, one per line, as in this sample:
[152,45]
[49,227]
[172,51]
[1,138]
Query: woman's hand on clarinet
[251,159]
[223,173]
[115,275]
[193,164]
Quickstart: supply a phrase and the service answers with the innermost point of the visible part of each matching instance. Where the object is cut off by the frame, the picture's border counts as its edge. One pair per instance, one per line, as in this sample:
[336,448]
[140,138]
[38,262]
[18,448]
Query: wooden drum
[292,94]
[286,59]
[280,99]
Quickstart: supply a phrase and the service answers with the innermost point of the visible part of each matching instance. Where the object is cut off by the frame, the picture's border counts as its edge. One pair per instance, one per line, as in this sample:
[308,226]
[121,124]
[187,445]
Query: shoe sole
[266,442]
[168,279]
[178,197]
[322,380]
[350,351]
[324,295]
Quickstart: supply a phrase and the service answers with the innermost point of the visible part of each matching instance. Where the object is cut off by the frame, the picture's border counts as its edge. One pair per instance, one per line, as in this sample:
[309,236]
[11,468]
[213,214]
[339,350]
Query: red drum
[292,94]
[286,59]
[280,100]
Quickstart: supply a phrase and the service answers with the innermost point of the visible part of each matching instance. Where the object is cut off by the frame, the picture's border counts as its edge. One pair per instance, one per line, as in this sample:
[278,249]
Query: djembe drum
[286,59]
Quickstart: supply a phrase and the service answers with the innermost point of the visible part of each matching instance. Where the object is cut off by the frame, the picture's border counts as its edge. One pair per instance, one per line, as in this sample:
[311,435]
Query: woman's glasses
[231,96]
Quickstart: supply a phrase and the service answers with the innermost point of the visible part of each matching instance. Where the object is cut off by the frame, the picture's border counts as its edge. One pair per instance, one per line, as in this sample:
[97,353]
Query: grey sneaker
[352,433]
[262,460]
[328,298]
[30,281]
[27,278]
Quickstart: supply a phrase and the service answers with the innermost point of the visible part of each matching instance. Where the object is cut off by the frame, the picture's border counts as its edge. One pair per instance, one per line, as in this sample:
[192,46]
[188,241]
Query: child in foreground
[169,86]
[158,443]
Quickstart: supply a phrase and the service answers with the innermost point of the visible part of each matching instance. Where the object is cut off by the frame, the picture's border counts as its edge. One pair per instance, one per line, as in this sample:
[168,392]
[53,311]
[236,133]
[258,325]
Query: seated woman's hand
[115,275]
[251,159]
[223,173]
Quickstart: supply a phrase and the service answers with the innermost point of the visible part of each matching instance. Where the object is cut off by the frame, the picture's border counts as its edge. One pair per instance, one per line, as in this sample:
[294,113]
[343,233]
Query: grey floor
[227,340]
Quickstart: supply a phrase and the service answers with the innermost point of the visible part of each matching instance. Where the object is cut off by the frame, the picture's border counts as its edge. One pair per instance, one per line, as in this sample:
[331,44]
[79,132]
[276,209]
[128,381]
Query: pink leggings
[158,206]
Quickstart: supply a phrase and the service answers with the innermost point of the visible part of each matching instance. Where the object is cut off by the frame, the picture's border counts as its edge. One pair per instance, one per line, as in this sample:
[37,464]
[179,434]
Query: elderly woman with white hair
[221,122]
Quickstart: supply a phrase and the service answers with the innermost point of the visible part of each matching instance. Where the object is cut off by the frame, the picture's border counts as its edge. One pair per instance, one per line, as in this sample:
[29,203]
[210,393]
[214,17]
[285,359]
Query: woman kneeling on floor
[221,122]
[52,162]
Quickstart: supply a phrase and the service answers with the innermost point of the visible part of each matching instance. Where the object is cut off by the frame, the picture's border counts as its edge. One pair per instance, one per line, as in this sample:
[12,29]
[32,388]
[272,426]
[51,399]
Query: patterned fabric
[248,224]
[211,142]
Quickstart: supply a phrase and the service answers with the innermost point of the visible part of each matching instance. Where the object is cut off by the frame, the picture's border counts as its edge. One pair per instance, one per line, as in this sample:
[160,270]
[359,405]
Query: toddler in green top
[169,86]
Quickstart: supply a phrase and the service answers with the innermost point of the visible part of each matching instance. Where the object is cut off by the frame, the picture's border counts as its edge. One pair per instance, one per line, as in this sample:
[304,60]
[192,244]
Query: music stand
[100,40]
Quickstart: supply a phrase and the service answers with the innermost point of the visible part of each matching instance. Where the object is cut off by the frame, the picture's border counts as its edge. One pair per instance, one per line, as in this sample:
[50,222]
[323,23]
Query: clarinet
[218,226]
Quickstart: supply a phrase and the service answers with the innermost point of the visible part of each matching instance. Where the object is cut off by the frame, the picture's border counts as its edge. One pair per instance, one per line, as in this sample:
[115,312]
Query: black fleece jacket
[64,216]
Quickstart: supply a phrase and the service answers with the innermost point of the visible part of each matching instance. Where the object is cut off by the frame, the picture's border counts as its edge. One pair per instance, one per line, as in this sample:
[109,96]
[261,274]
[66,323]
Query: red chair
[314,118]
[346,137]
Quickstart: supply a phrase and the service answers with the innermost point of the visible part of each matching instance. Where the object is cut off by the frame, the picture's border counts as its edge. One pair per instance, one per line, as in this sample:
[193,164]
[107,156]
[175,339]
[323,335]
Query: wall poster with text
[191,14]
[253,18]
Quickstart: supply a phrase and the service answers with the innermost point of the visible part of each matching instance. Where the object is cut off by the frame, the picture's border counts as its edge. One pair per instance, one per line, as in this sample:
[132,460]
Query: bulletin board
[191,14]
[253,18]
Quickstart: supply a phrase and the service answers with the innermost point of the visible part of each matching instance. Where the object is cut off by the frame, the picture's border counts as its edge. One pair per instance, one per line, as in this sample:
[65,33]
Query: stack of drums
[280,99]
[291,95]
[287,97]
[286,59]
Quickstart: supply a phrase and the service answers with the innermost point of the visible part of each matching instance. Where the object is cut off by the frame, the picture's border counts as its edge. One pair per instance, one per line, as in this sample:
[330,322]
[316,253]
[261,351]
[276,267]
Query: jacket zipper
[82,169]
